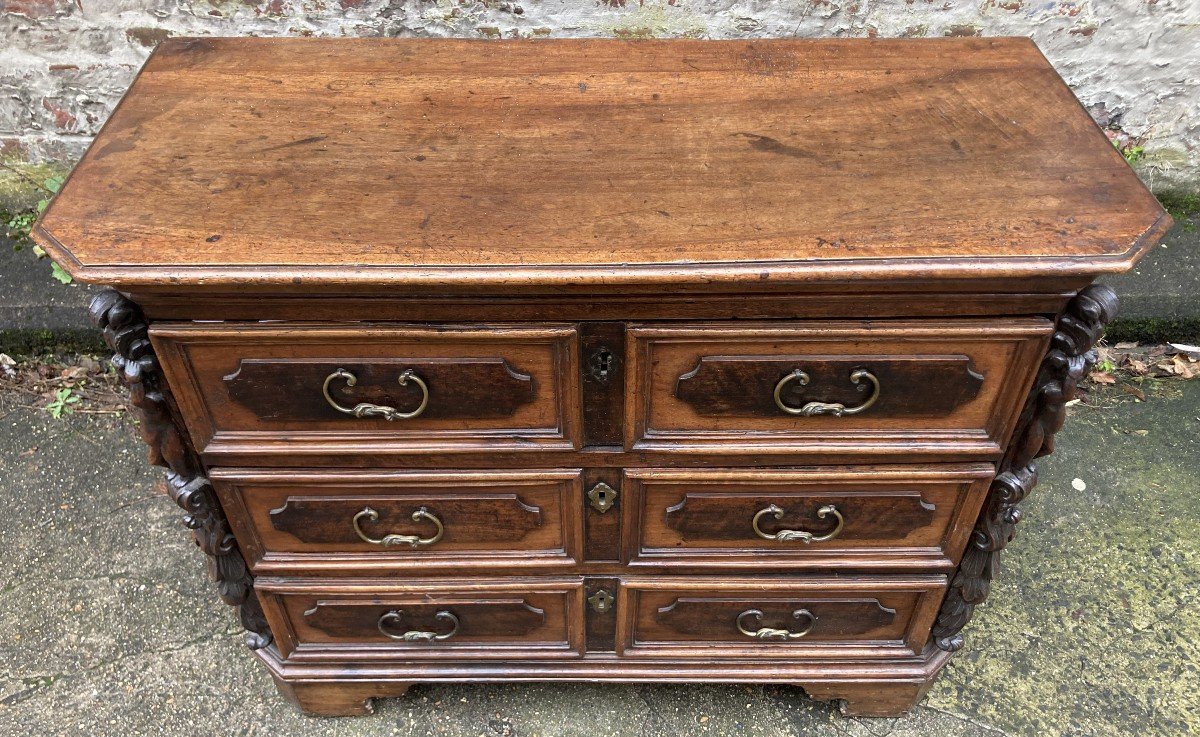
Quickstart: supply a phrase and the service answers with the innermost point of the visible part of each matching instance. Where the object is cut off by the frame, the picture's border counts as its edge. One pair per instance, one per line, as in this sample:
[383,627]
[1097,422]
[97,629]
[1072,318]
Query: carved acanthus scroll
[125,331]
[1068,361]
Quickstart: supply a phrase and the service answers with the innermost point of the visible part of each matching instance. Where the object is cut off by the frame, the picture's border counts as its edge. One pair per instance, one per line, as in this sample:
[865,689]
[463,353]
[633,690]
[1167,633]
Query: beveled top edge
[715,274]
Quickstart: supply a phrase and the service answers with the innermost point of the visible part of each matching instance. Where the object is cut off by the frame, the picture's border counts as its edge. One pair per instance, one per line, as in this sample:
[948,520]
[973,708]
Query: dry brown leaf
[1192,351]
[1131,389]
[1103,377]
[1126,345]
[100,391]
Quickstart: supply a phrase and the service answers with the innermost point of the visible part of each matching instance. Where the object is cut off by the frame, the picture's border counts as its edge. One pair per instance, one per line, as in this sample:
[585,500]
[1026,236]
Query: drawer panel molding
[299,389]
[503,617]
[917,386]
[894,515]
[482,388]
[936,389]
[775,617]
[418,619]
[709,617]
[814,517]
[359,522]
[506,518]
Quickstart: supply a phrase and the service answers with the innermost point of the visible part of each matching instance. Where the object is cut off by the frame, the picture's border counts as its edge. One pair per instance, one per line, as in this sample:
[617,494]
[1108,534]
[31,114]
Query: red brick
[30,8]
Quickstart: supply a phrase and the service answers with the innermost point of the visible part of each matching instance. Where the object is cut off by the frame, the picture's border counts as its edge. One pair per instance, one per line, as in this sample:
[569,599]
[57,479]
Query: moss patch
[655,20]
[1154,330]
[1184,206]
[42,342]
[20,180]
[1093,627]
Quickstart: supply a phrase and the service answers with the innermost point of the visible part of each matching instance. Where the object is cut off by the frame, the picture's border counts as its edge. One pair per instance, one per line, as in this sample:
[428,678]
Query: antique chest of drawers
[601,360]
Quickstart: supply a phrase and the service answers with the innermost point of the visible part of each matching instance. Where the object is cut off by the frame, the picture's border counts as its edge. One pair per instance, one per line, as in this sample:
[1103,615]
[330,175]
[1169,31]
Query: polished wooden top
[418,163]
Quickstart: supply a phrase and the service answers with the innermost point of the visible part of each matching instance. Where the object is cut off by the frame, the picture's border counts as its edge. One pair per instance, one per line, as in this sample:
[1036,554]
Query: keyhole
[602,363]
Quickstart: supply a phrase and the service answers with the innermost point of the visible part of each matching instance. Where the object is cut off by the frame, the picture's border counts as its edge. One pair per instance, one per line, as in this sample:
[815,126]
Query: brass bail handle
[366,409]
[387,541]
[836,409]
[770,633]
[394,619]
[801,535]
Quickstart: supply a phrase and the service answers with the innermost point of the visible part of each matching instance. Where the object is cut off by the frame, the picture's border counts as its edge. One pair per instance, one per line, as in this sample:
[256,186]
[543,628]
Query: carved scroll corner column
[125,331]
[1067,362]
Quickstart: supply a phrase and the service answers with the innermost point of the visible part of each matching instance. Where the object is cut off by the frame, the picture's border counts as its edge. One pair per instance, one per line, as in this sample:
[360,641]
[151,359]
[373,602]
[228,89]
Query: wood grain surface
[301,520]
[489,386]
[896,517]
[666,406]
[457,162]
[863,616]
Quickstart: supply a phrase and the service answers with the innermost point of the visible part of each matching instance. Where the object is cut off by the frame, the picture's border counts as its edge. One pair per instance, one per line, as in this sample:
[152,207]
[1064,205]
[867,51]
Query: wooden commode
[598,360]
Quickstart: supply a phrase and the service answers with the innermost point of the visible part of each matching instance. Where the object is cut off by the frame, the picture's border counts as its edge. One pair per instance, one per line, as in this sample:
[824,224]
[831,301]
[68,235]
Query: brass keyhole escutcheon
[601,601]
[602,497]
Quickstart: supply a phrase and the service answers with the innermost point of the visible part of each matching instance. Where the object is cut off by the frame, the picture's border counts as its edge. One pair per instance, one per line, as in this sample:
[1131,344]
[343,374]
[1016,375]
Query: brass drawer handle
[837,409]
[365,409]
[395,617]
[769,633]
[801,535]
[388,541]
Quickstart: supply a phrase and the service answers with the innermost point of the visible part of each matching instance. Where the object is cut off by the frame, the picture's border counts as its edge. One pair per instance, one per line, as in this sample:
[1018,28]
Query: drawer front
[762,618]
[816,517]
[312,389]
[424,619]
[901,388]
[359,522]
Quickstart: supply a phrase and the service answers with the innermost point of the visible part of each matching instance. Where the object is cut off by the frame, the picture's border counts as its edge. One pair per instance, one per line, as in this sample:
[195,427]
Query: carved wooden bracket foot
[338,699]
[871,699]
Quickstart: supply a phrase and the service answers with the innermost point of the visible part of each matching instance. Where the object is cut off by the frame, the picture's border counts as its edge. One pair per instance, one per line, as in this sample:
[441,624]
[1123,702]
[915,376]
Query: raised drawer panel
[425,619]
[930,388]
[307,389]
[311,520]
[763,618]
[816,517]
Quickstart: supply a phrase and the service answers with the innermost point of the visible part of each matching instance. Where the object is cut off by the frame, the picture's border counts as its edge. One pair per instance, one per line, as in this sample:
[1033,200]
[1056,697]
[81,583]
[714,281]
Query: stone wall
[1135,64]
